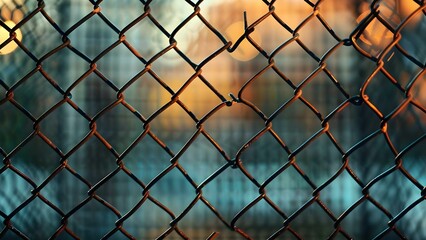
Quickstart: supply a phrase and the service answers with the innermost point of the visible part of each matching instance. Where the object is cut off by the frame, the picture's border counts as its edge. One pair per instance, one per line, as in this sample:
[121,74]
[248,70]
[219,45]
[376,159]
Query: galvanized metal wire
[391,108]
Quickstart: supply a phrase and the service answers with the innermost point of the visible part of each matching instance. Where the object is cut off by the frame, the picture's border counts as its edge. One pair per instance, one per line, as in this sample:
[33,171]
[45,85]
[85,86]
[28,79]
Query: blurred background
[39,130]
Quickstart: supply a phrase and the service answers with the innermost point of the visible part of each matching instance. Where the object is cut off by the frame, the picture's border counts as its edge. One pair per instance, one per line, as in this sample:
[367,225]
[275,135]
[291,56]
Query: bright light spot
[245,51]
[4,35]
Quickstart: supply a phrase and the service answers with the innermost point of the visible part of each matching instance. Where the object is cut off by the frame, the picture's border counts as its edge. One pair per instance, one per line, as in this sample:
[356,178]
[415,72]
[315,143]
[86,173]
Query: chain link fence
[212,119]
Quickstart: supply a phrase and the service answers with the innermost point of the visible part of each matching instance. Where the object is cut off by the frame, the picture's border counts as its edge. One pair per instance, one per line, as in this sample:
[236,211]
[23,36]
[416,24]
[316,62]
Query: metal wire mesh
[213,119]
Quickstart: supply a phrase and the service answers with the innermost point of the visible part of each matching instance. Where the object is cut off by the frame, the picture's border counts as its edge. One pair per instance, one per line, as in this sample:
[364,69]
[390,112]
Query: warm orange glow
[394,12]
[408,7]
[245,50]
[375,34]
[4,35]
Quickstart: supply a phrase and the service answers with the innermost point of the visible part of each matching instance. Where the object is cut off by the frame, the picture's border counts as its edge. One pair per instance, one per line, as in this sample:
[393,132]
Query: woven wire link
[370,138]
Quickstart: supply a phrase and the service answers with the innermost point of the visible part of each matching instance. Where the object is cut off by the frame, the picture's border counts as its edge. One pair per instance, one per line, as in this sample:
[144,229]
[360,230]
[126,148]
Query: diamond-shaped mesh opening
[383,102]
[147,38]
[97,36]
[366,167]
[130,65]
[9,139]
[191,34]
[130,127]
[16,185]
[295,63]
[20,65]
[200,216]
[323,94]
[340,194]
[35,217]
[57,127]
[234,131]
[260,215]
[92,155]
[293,14]
[375,218]
[97,223]
[171,13]
[268,92]
[62,183]
[129,193]
[300,119]
[179,126]
[93,94]
[233,182]
[288,191]
[413,164]
[37,89]
[147,159]
[264,157]
[341,72]
[194,159]
[313,223]
[146,95]
[56,67]
[42,165]
[395,58]
[52,37]
[277,34]
[417,91]
[173,70]
[399,124]
[338,16]
[148,221]
[395,200]
[320,160]
[365,119]
[121,18]
[63,11]
[225,73]
[375,37]
[413,220]
[312,30]
[173,181]
[199,98]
